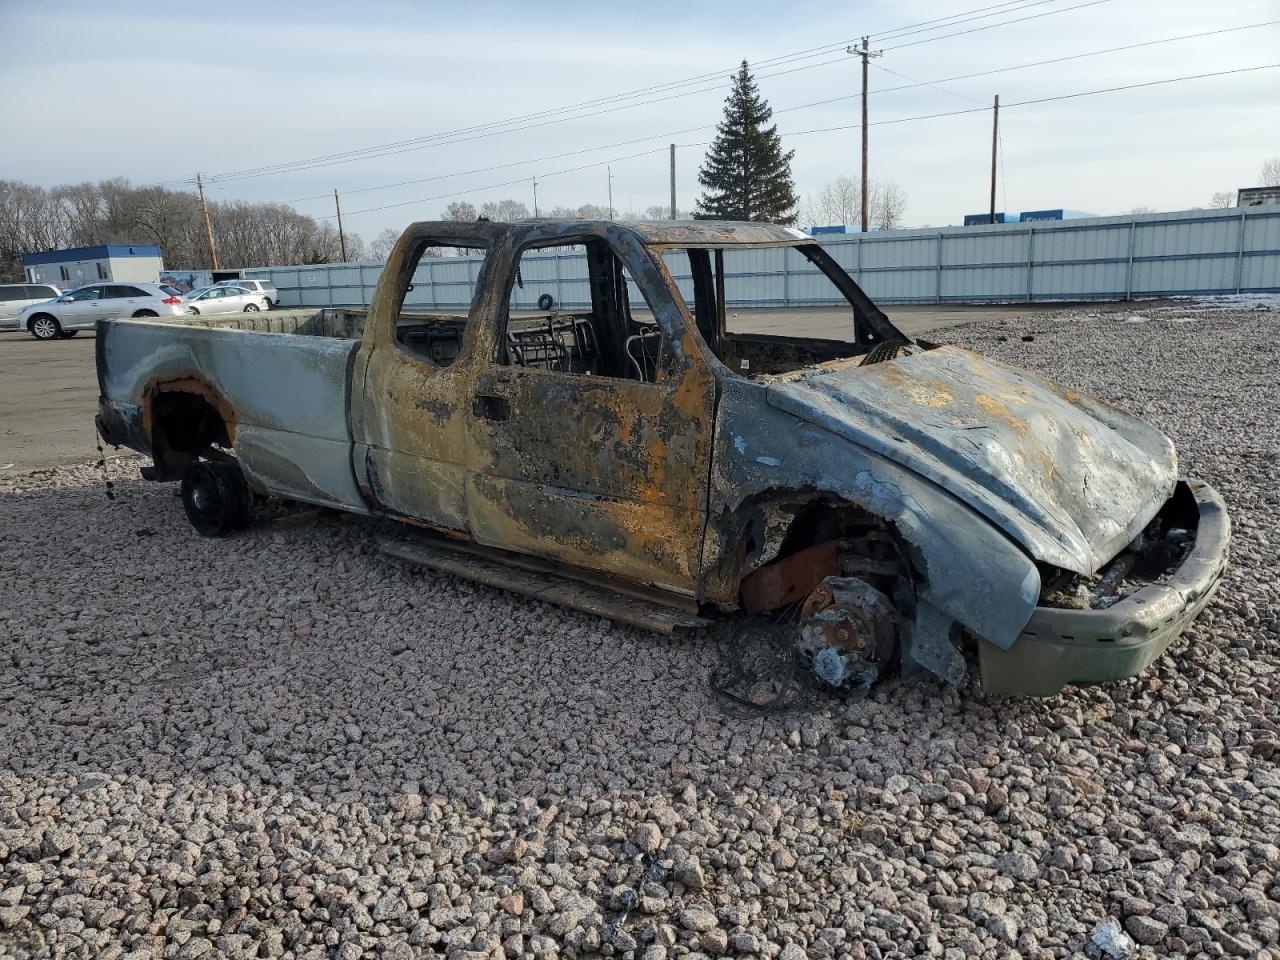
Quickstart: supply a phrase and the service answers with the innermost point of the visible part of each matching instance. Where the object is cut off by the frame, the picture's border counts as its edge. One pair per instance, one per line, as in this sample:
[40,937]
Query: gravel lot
[286,745]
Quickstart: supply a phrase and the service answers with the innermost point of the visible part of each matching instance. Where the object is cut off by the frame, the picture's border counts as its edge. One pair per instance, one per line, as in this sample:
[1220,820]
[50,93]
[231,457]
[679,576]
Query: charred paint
[191,383]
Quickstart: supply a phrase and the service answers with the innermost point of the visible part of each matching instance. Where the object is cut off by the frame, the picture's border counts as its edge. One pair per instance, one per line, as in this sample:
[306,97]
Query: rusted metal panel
[1069,477]
[514,573]
[791,579]
[596,471]
[283,398]
[716,233]
[768,463]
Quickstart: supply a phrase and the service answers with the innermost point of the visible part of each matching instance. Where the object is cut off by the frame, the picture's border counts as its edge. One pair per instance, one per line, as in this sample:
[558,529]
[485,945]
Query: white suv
[264,287]
[15,296]
[81,308]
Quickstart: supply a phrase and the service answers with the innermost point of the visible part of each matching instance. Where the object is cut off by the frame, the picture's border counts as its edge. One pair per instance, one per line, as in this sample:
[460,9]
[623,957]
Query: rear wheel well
[187,420]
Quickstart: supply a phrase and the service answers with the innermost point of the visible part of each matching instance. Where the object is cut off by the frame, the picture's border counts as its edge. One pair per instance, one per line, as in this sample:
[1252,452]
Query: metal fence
[1196,252]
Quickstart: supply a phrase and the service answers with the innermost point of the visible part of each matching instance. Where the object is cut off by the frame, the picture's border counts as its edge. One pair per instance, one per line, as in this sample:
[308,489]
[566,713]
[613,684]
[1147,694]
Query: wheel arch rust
[190,383]
[770,526]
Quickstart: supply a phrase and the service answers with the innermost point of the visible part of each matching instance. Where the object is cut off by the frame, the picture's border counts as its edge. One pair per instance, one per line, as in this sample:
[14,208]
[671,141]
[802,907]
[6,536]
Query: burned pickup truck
[645,453]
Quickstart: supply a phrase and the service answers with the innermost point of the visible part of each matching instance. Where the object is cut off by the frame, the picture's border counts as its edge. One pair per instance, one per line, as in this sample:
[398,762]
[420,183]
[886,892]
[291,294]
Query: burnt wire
[106,477]
[759,672]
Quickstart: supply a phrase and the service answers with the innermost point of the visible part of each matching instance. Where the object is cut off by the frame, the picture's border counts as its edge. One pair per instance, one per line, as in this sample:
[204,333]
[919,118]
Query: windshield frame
[870,326]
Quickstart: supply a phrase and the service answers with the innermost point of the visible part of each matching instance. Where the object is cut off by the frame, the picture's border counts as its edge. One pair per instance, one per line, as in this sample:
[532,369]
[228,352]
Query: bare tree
[1269,175]
[113,211]
[355,248]
[1138,210]
[840,202]
[382,244]
[163,218]
[459,211]
[82,208]
[1223,198]
[504,210]
[888,203]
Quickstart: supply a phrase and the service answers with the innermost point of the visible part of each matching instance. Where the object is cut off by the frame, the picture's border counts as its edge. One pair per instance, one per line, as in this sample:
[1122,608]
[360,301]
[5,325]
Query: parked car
[890,503]
[81,308]
[15,296]
[264,287]
[220,299]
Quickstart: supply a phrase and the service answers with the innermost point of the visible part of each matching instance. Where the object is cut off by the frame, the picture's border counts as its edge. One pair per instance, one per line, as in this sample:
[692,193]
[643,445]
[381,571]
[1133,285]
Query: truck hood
[1070,478]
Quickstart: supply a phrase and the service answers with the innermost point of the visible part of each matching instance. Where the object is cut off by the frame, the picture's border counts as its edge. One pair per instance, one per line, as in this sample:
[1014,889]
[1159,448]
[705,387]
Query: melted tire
[216,498]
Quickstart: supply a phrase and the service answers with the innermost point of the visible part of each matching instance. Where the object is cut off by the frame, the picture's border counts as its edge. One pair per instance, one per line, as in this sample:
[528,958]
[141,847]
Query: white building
[136,262]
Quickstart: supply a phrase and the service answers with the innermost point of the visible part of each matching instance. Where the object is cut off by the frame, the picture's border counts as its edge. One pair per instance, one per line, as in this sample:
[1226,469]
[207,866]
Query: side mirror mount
[66,299]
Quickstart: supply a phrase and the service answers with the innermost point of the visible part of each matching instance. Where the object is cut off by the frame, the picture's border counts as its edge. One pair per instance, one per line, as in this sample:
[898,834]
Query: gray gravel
[286,745]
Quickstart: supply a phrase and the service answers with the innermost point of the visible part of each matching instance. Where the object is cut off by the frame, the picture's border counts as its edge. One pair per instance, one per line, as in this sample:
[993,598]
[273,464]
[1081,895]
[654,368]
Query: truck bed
[281,382]
[337,323]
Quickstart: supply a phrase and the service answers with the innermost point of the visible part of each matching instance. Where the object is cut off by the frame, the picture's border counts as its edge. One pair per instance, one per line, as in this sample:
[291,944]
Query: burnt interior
[753,354]
[436,335]
[602,338]
[434,338]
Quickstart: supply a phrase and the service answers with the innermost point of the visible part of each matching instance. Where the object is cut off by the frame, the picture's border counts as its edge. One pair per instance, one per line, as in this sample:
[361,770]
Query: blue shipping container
[978,219]
[1058,214]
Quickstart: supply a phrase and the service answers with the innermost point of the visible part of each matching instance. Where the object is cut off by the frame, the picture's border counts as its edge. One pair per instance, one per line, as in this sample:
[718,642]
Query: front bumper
[1061,646]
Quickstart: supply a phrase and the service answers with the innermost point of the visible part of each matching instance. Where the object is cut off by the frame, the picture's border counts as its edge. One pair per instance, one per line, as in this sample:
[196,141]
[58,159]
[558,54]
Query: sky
[156,92]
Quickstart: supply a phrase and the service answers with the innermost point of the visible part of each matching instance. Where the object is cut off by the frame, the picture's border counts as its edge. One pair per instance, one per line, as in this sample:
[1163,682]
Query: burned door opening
[418,365]
[590,430]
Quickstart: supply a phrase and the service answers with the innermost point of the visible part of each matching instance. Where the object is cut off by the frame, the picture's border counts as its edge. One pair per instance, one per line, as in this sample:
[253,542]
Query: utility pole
[610,172]
[995,140]
[674,212]
[208,227]
[342,237]
[864,52]
[535,196]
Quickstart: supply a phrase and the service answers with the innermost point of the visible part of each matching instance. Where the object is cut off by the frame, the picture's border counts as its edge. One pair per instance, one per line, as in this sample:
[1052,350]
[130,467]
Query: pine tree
[746,176]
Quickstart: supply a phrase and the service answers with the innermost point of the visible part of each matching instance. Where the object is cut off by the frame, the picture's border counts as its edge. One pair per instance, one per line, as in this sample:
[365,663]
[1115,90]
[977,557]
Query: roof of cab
[545,231]
[688,233]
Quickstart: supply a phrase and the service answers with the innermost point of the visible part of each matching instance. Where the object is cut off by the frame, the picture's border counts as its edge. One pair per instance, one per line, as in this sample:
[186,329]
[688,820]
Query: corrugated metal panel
[1196,251]
[1261,273]
[1262,233]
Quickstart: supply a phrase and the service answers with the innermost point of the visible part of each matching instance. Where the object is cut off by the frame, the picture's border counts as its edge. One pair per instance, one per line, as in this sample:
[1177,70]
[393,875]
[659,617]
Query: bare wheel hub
[848,633]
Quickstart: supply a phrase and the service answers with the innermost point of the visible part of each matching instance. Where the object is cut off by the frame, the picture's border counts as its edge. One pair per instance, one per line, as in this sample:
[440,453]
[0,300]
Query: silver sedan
[213,300]
[81,308]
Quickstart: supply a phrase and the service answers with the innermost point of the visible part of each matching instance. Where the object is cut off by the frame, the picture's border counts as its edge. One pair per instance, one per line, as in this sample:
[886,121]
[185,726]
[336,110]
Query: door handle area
[490,407]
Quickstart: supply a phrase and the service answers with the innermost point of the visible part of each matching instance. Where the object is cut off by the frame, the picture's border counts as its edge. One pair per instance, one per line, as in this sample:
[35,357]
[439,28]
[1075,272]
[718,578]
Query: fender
[969,570]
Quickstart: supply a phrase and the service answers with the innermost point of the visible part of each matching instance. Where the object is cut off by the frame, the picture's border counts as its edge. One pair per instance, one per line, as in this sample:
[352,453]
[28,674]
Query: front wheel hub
[848,634]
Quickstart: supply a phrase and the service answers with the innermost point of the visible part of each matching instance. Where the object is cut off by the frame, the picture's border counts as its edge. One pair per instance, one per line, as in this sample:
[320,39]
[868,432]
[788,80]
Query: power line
[800,133]
[1024,66]
[437,139]
[506,183]
[673,133]
[926,83]
[1025,103]
[898,35]
[1005,23]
